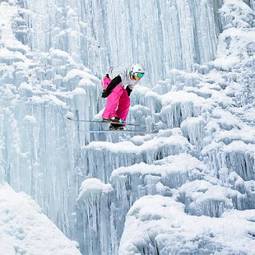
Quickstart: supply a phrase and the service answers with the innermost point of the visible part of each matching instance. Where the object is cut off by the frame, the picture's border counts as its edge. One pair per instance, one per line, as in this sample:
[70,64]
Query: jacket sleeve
[116,81]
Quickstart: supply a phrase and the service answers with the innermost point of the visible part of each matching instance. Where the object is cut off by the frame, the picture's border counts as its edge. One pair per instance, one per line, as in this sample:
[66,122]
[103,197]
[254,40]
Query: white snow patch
[24,229]
[157,223]
[93,186]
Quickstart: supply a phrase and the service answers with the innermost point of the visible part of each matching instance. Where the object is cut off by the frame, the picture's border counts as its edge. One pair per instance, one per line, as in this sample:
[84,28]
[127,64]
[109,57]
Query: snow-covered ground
[24,229]
[189,187]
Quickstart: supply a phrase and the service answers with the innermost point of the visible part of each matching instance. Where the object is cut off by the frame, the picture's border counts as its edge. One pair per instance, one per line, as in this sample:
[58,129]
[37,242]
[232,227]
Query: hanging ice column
[175,33]
[94,220]
[54,155]
[110,156]
[39,147]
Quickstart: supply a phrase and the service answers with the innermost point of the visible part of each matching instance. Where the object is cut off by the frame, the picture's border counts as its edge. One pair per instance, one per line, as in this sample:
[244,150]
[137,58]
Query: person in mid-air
[117,89]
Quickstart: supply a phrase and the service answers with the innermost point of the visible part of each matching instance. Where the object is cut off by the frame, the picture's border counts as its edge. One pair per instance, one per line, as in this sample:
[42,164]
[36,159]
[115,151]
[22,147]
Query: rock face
[178,187]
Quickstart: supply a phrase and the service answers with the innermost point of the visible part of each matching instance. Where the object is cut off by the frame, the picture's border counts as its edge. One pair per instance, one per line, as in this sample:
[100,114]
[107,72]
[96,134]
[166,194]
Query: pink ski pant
[117,104]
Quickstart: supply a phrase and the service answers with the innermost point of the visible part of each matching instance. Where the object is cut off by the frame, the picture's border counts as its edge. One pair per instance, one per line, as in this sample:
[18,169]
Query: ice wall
[165,229]
[40,147]
[94,221]
[176,34]
[205,105]
[202,113]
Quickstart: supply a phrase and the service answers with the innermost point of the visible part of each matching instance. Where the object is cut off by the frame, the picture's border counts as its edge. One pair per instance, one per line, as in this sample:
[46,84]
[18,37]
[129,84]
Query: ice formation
[158,225]
[186,184]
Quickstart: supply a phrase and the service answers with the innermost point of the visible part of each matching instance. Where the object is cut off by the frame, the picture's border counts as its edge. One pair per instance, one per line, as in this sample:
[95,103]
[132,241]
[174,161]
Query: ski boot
[117,124]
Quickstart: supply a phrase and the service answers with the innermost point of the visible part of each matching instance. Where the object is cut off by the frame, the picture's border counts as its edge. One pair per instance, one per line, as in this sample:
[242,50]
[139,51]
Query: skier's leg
[112,103]
[124,104]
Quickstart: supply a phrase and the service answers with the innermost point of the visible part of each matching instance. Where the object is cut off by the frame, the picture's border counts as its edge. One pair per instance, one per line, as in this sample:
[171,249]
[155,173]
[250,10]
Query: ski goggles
[139,75]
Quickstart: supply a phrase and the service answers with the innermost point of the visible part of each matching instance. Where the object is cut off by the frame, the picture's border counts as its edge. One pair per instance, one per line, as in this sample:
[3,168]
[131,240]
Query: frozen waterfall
[102,33]
[178,185]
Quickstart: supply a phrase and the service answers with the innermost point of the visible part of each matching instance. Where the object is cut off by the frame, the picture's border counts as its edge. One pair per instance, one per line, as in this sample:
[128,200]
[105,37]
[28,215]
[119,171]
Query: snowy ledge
[158,225]
[170,165]
[129,147]
[93,186]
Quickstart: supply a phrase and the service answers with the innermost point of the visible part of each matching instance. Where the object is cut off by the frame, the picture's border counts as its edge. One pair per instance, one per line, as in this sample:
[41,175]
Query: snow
[24,229]
[93,185]
[78,91]
[9,57]
[236,13]
[7,37]
[156,228]
[172,164]
[195,105]
[127,153]
[237,44]
[203,198]
[147,146]
[94,216]
[77,74]
[180,96]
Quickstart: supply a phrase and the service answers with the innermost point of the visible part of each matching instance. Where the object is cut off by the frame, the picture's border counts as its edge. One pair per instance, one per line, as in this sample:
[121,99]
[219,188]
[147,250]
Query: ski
[101,121]
[124,130]
[117,131]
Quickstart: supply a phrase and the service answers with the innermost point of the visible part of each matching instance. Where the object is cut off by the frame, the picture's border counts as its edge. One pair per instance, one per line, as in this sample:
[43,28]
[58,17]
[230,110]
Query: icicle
[94,219]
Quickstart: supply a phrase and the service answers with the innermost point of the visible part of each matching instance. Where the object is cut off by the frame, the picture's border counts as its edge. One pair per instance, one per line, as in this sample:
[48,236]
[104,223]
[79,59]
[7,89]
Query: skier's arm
[129,90]
[116,81]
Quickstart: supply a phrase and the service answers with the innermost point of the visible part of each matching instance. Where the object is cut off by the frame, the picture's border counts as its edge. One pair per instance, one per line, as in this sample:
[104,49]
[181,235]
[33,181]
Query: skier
[118,91]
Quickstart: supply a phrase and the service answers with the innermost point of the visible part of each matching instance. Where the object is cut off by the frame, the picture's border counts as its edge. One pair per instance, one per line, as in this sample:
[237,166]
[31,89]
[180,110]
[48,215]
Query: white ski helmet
[136,71]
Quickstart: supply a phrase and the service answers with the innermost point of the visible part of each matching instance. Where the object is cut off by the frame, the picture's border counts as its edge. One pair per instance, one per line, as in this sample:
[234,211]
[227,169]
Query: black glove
[104,94]
[128,91]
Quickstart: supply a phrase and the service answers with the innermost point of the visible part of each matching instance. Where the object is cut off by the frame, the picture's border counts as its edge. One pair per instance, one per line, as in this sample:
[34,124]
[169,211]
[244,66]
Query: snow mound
[24,229]
[159,225]
[93,186]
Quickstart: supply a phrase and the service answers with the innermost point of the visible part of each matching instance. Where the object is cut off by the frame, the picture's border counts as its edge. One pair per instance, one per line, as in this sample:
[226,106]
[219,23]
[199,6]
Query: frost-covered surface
[39,146]
[221,127]
[93,217]
[110,156]
[159,225]
[103,33]
[198,167]
[24,229]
